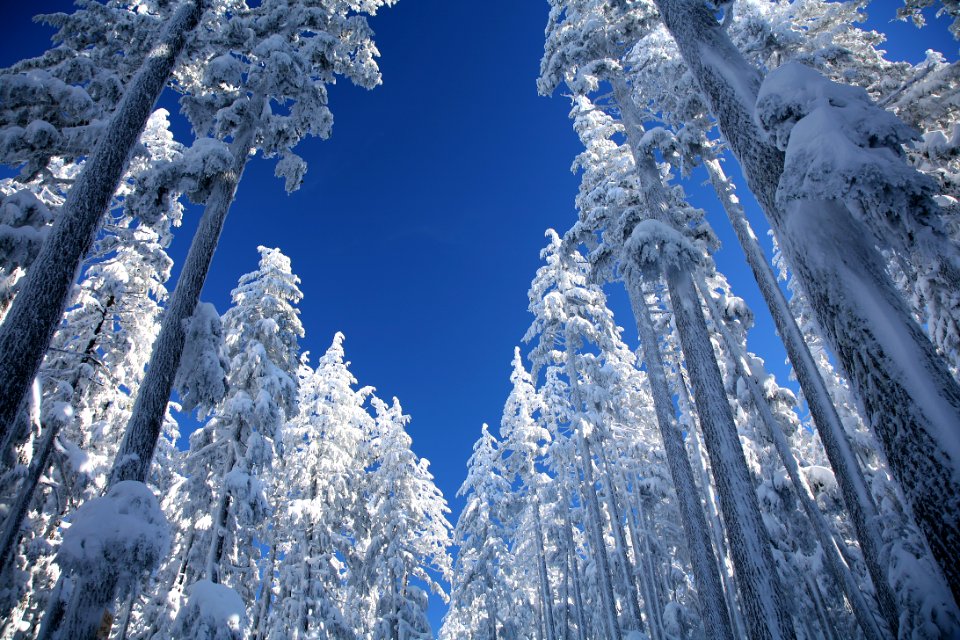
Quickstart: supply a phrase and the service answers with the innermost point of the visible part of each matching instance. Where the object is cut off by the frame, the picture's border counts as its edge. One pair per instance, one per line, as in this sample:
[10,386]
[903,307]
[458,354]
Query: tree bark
[756,575]
[140,438]
[840,572]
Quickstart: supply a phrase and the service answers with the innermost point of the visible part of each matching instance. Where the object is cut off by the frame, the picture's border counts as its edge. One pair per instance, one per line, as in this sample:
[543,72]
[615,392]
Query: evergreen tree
[481,592]
[908,395]
[409,531]
[278,53]
[320,502]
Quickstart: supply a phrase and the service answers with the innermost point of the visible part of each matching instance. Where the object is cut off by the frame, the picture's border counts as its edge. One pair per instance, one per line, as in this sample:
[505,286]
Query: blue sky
[419,225]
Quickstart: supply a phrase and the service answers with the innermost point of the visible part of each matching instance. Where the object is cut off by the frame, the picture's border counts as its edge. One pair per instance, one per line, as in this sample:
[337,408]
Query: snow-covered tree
[481,592]
[260,82]
[221,508]
[907,393]
[261,332]
[409,532]
[31,321]
[320,503]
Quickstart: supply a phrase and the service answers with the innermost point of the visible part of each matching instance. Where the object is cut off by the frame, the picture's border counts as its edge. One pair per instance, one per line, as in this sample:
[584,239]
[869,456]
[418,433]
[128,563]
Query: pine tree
[261,332]
[481,592]
[409,531]
[320,502]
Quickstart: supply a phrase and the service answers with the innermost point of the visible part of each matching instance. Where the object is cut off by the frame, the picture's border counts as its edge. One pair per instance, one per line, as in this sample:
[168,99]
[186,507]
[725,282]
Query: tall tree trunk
[853,486]
[220,517]
[760,594]
[765,610]
[140,438]
[716,526]
[645,560]
[35,313]
[825,624]
[259,625]
[840,572]
[909,397]
[709,589]
[593,505]
[593,524]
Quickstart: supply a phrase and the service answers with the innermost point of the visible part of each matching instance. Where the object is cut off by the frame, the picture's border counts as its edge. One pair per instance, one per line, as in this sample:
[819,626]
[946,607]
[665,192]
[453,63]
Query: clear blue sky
[419,225]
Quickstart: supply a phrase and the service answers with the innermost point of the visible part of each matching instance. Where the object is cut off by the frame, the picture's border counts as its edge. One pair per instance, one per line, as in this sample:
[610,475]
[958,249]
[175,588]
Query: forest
[168,471]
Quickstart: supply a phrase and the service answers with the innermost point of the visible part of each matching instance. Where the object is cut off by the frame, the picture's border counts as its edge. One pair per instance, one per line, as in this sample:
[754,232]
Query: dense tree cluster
[665,490]
[686,494]
[244,543]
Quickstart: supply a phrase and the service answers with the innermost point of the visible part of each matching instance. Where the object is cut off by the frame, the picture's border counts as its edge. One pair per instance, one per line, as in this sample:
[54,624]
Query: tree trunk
[765,611]
[704,563]
[35,313]
[259,625]
[18,511]
[616,525]
[140,438]
[757,581]
[582,631]
[605,577]
[219,524]
[853,486]
[593,506]
[909,397]
[838,570]
[716,526]
[645,557]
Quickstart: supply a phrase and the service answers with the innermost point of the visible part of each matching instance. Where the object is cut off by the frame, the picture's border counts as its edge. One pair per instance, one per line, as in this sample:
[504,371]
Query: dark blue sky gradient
[419,224]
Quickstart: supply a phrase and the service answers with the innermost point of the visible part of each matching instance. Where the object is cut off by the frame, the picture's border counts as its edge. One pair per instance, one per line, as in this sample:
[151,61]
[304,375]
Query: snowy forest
[168,471]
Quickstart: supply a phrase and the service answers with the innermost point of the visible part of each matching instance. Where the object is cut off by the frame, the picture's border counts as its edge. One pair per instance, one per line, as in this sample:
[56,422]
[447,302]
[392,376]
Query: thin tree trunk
[757,581]
[853,486]
[36,312]
[54,612]
[627,568]
[127,614]
[266,597]
[219,525]
[582,631]
[642,547]
[605,578]
[716,530]
[546,596]
[709,590]
[176,584]
[18,511]
[593,506]
[825,624]
[909,397]
[835,566]
[491,613]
